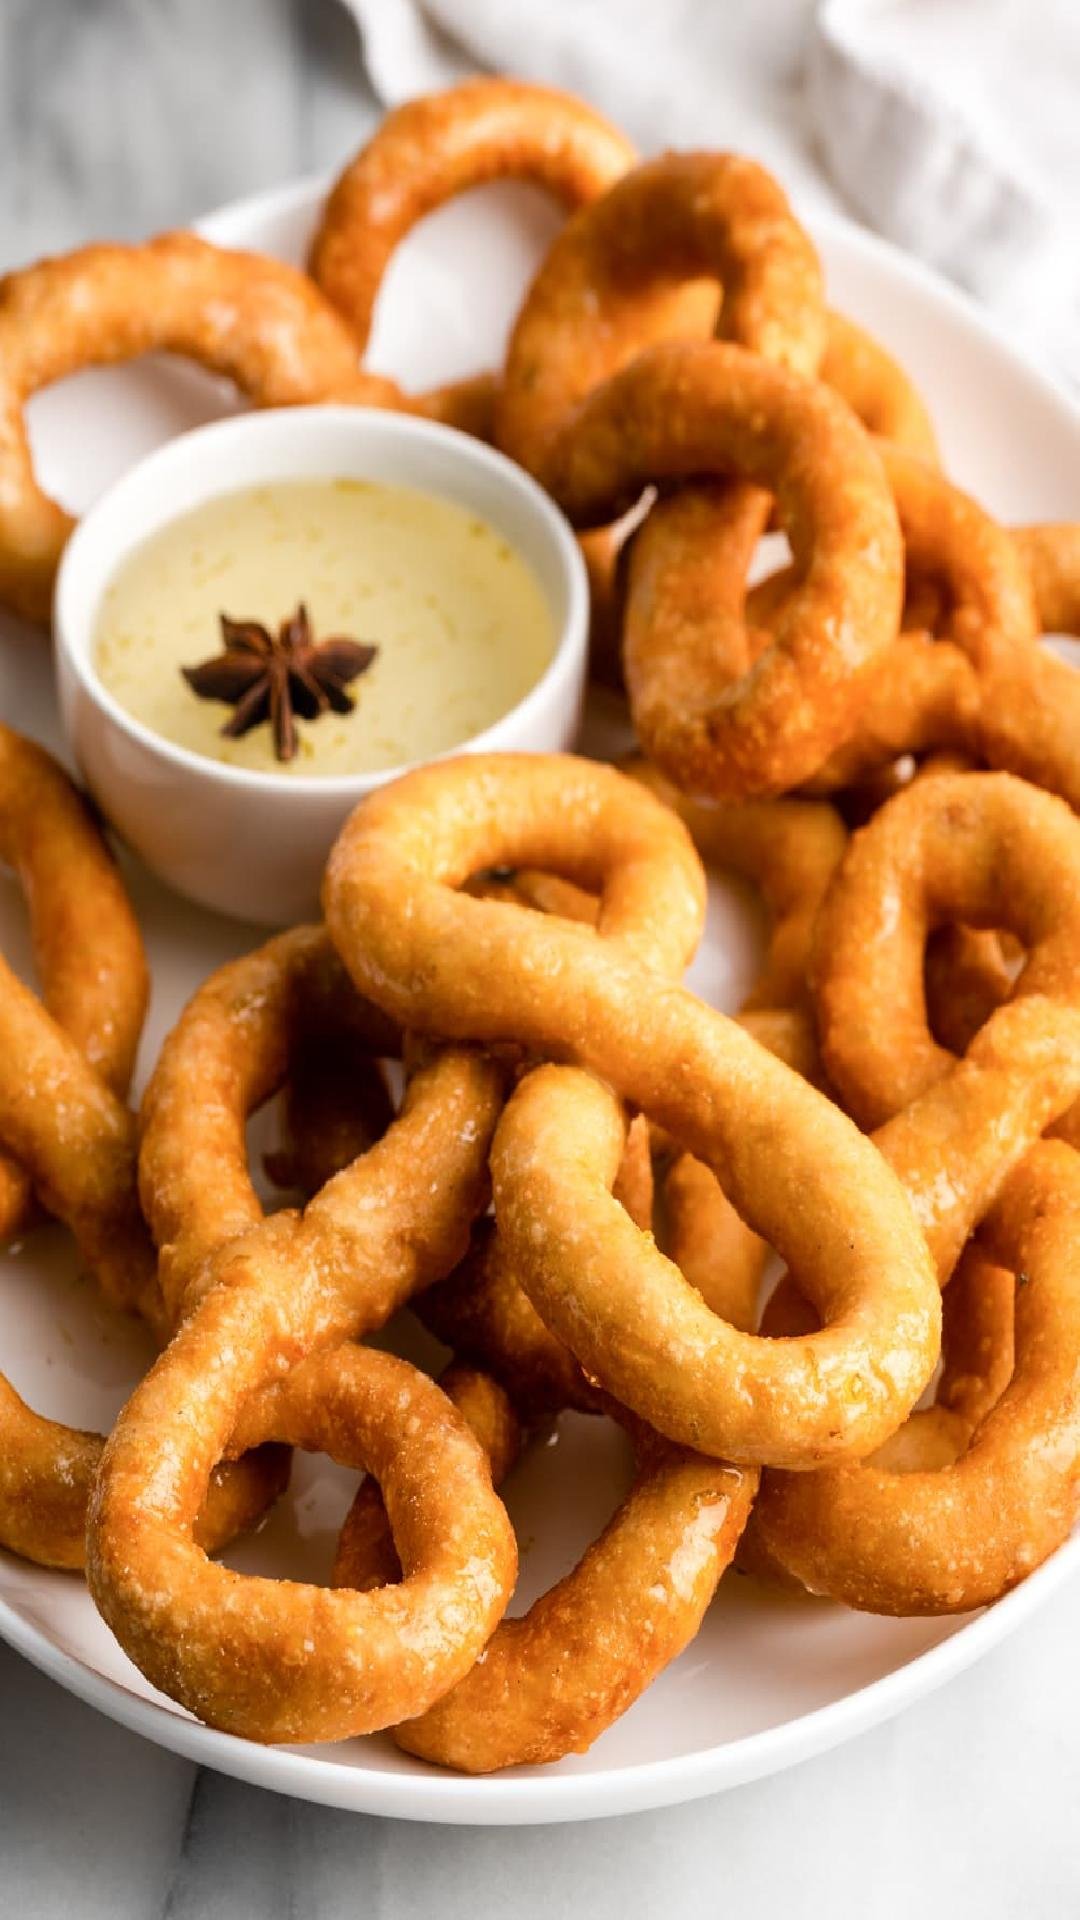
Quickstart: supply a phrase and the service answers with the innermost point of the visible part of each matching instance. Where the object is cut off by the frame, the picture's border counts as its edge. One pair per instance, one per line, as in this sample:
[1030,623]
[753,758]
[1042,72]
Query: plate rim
[517,1797]
[825,224]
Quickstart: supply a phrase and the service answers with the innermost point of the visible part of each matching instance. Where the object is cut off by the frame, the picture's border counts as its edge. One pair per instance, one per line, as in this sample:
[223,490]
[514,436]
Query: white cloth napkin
[951,126]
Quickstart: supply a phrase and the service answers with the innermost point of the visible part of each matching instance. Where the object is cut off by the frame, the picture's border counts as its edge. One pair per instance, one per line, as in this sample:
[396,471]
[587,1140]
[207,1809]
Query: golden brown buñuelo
[444,961]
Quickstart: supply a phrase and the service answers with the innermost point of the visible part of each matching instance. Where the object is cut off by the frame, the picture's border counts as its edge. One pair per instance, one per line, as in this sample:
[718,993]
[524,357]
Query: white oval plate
[770,1679]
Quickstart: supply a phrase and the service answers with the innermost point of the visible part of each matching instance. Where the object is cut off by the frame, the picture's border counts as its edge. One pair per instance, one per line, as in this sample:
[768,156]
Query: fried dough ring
[254,1307]
[84,1170]
[935,692]
[615,281]
[426,153]
[433,148]
[87,1179]
[366,1556]
[876,387]
[253,319]
[980,849]
[342,1662]
[708,551]
[47,1473]
[626,274]
[1031,713]
[622,277]
[942,1536]
[445,962]
[553,1679]
[932,693]
[947,848]
[793,849]
[966,1124]
[1051,553]
[692,409]
[86,943]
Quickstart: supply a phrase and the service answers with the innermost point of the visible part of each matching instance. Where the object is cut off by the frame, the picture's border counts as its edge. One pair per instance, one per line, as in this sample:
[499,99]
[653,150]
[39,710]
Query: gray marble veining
[119,117]
[964,1806]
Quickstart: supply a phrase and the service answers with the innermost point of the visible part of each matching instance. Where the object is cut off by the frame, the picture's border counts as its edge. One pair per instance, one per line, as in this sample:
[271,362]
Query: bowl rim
[76,652]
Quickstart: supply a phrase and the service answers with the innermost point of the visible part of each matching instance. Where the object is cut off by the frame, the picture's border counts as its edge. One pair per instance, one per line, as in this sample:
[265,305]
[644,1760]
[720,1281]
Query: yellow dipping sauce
[462,627]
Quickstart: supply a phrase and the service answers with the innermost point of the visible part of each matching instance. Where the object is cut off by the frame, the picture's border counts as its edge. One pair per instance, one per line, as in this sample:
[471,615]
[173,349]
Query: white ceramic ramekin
[253,845]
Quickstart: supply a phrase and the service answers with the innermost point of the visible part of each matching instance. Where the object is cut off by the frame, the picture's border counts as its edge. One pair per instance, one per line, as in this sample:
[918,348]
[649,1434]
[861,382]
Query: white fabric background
[951,126]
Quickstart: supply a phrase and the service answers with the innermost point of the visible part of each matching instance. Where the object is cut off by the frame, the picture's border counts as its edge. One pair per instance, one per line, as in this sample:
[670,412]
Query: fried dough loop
[682,410]
[72,1052]
[553,1679]
[432,957]
[260,323]
[625,275]
[974,849]
[427,152]
[966,673]
[934,690]
[621,277]
[264,1307]
[942,1529]
[1051,552]
[71,1057]
[279,1660]
[86,943]
[876,387]
[908,1532]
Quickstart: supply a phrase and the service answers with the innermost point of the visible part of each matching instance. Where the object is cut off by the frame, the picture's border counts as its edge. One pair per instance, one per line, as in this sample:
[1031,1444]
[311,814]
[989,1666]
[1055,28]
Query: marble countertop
[965,1805]
[118,119]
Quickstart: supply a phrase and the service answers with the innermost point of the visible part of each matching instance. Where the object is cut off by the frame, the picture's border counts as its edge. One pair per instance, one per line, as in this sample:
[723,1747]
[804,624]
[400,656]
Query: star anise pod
[275,678]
